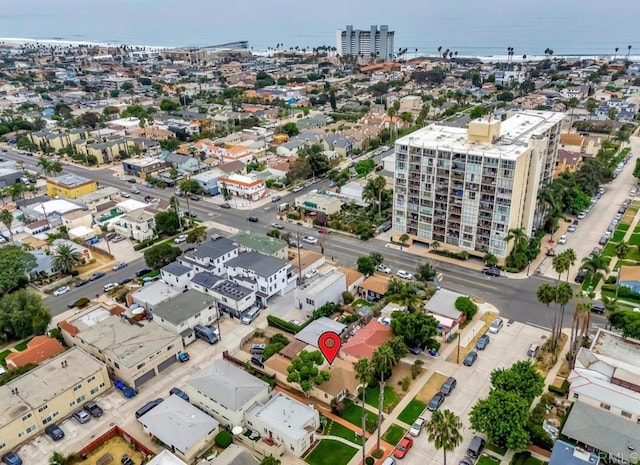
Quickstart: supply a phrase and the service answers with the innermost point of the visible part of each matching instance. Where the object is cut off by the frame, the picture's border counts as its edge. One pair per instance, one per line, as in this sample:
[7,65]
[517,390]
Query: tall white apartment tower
[466,188]
[352,41]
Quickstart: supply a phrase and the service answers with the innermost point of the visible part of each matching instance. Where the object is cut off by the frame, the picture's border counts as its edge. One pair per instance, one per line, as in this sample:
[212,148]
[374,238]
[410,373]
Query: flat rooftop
[45,382]
[70,180]
[232,290]
[320,284]
[142,162]
[614,346]
[285,414]
[183,306]
[515,133]
[91,318]
[260,242]
[126,343]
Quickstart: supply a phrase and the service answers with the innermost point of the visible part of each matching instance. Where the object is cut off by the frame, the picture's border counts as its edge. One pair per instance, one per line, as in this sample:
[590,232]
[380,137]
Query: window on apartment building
[310,302]
[75,388]
[625,414]
[605,406]
[94,390]
[576,395]
[27,416]
[55,414]
[31,428]
[3,445]
[43,408]
[80,399]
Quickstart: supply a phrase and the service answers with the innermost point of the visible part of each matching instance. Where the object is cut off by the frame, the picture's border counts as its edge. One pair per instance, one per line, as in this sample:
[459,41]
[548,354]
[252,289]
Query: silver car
[81,415]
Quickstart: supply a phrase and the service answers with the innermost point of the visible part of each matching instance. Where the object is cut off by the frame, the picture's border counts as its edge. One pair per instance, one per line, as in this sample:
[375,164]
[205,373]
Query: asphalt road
[516,299]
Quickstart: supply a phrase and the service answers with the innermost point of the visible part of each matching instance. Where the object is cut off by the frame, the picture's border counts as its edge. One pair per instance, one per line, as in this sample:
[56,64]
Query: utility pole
[299,259]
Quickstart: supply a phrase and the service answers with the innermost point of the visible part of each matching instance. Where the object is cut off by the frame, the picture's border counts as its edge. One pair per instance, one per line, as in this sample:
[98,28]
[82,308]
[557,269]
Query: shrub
[282,324]
[369,461]
[224,439]
[563,390]
[279,339]
[81,302]
[272,349]
[405,383]
[143,244]
[347,297]
[466,306]
[611,280]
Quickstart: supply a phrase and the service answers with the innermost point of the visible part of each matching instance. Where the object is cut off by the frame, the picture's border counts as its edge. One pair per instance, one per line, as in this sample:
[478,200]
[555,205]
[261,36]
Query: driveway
[504,349]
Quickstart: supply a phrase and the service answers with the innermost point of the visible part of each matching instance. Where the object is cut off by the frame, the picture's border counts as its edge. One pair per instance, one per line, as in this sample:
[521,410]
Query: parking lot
[504,349]
[119,410]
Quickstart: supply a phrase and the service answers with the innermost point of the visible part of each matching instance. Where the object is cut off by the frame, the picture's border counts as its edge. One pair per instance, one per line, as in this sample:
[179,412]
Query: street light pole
[299,259]
[458,354]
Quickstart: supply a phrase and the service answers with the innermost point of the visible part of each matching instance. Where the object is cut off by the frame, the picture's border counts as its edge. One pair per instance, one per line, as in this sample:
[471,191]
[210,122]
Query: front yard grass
[394,434]
[412,411]
[330,452]
[488,460]
[618,236]
[609,250]
[22,345]
[623,227]
[353,414]
[3,355]
[373,396]
[336,429]
[634,239]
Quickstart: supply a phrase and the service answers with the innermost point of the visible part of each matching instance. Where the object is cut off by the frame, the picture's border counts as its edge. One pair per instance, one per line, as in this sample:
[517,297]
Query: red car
[403,448]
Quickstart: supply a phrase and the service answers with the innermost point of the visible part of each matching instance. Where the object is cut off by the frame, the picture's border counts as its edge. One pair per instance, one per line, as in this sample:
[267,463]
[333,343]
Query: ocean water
[472,28]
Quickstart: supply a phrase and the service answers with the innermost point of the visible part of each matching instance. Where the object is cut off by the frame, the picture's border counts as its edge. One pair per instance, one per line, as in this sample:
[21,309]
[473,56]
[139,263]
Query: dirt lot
[116,447]
[431,387]
[267,333]
[400,371]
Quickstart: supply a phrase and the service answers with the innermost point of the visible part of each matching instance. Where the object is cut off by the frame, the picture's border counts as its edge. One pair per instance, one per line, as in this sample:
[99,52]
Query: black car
[54,432]
[81,282]
[598,308]
[132,180]
[143,271]
[225,206]
[483,342]
[94,409]
[470,359]
[194,197]
[491,271]
[253,219]
[257,360]
[124,281]
[95,276]
[580,277]
[448,386]
[415,350]
[435,402]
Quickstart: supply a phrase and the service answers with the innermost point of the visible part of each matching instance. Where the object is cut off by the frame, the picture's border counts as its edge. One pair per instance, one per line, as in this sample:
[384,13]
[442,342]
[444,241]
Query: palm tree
[546,294]
[435,246]
[17,191]
[383,362]
[6,218]
[628,51]
[595,267]
[188,187]
[104,227]
[66,258]
[175,204]
[560,264]
[45,164]
[444,431]
[616,54]
[490,259]
[373,191]
[517,235]
[564,294]
[270,460]
[571,257]
[622,249]
[55,168]
[364,374]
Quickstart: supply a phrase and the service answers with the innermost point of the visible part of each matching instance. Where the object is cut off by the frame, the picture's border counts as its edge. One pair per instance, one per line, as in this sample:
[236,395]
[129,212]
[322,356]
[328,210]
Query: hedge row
[287,326]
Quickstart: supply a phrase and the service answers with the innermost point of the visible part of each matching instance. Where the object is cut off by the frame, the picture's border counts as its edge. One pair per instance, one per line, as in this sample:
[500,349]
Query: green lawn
[633,254]
[497,449]
[330,452]
[487,460]
[623,227]
[534,461]
[3,355]
[412,411]
[373,396]
[609,250]
[394,434]
[22,345]
[336,429]
[636,230]
[618,236]
[353,413]
[634,239]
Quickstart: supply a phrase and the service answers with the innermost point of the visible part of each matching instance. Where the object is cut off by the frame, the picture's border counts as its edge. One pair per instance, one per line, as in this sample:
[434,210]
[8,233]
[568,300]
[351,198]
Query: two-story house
[183,312]
[245,187]
[226,392]
[137,225]
[211,256]
[233,298]
[177,275]
[264,274]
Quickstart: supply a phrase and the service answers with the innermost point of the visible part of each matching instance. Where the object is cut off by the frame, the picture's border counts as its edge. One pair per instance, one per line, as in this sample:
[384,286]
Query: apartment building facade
[466,188]
[356,42]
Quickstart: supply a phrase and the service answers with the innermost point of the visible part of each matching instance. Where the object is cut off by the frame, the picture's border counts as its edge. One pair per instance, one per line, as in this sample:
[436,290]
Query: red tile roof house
[366,341]
[39,349]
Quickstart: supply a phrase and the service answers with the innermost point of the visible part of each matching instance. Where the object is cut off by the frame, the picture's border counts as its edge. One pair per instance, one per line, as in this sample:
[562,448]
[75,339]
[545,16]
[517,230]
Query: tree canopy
[16,264]
[22,314]
[417,329]
[167,222]
[161,255]
[304,370]
[522,378]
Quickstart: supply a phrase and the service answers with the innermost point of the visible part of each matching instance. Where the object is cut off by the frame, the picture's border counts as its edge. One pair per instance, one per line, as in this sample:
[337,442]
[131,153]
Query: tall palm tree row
[443,429]
[364,374]
[383,361]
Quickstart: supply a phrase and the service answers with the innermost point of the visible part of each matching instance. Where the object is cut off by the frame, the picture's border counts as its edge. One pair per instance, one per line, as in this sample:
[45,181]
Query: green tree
[622,248]
[291,129]
[332,99]
[373,191]
[364,375]
[377,258]
[270,460]
[167,222]
[425,273]
[522,378]
[383,361]
[365,266]
[189,187]
[478,112]
[443,430]
[16,264]
[58,459]
[17,190]
[22,314]
[466,306]
[476,80]
[168,105]
[417,329]
[66,258]
[490,259]
[171,144]
[404,238]
[304,371]
[6,218]
[161,255]
[503,416]
[197,235]
[546,294]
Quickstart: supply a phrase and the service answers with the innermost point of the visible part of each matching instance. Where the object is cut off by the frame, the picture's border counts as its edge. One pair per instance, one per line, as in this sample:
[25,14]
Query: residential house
[312,332]
[181,313]
[211,256]
[85,254]
[77,218]
[246,187]
[185,164]
[232,455]
[39,349]
[629,277]
[70,186]
[226,392]
[303,261]
[186,430]
[143,167]
[204,281]
[9,174]
[324,288]
[580,92]
[442,306]
[233,298]
[262,243]
[240,153]
[366,341]
[137,225]
[102,197]
[353,277]
[320,203]
[49,392]
[133,353]
[152,294]
[208,181]
[352,192]
[564,453]
[177,275]
[45,268]
[343,145]
[567,162]
[287,421]
[264,274]
[410,104]
[373,288]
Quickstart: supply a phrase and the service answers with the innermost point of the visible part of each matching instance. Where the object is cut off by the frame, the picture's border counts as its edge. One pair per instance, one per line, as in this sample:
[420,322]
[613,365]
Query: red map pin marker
[329,344]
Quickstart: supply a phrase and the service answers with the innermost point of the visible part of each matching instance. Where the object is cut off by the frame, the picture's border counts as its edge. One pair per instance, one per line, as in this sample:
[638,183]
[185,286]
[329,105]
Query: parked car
[310,240]
[125,194]
[470,359]
[603,240]
[124,281]
[194,197]
[582,215]
[298,188]
[180,239]
[404,274]
[225,205]
[448,386]
[417,426]
[277,225]
[148,198]
[403,448]
[250,315]
[131,180]
[61,290]
[572,228]
[257,360]
[475,447]
[295,244]
[598,308]
[11,458]
[183,357]
[118,239]
[94,409]
[382,268]
[435,402]
[96,275]
[596,251]
[496,326]
[257,349]
[580,277]
[276,198]
[253,219]
[81,415]
[81,282]
[135,190]
[563,239]
[491,271]
[143,271]
[483,342]
[119,266]
[551,252]
[310,274]
[180,393]
[146,408]
[109,287]
[54,432]
[415,350]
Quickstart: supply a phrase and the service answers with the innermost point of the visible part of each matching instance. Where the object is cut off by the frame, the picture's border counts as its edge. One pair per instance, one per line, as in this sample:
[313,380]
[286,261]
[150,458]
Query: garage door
[144,378]
[166,364]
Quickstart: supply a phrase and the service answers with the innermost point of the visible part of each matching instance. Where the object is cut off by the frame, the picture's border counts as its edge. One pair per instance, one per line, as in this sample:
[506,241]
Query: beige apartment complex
[467,187]
[48,393]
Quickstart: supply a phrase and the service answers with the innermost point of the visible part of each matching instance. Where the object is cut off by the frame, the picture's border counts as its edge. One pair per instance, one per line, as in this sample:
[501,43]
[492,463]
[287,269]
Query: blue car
[11,458]
[483,342]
